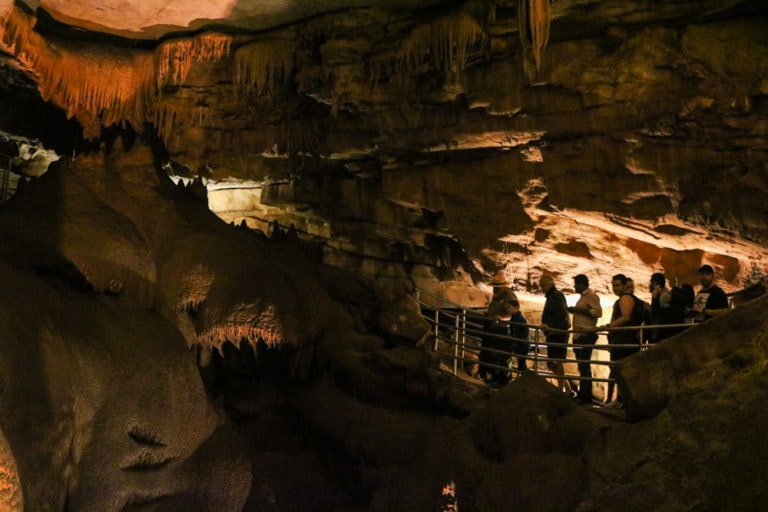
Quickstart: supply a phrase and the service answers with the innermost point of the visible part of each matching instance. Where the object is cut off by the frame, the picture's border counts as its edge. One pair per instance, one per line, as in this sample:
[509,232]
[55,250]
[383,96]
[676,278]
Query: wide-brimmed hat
[500,280]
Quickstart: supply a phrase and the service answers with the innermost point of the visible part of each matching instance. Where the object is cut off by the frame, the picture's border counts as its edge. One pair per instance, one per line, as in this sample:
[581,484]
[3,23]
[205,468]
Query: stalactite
[17,35]
[168,116]
[218,335]
[446,42]
[262,67]
[533,27]
[103,85]
[164,119]
[174,58]
[99,84]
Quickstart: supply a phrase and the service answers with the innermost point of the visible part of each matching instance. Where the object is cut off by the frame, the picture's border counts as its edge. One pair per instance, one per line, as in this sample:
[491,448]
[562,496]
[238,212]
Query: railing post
[456,337]
[536,351]
[437,326]
[463,335]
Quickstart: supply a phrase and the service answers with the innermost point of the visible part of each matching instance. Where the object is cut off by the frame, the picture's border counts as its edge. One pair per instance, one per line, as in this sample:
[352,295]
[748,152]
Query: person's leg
[505,375]
[617,354]
[521,350]
[556,350]
[559,370]
[486,357]
[584,355]
[522,364]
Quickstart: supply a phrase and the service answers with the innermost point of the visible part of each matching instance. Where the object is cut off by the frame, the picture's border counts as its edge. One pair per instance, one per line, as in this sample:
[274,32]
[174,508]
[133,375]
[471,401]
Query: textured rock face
[93,396]
[422,145]
[103,310]
[413,146]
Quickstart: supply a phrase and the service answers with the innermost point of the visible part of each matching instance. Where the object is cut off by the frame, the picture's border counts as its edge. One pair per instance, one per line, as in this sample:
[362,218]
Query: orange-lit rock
[430,147]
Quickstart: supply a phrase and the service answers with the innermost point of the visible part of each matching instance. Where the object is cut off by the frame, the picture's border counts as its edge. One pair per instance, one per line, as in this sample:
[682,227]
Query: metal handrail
[464,330]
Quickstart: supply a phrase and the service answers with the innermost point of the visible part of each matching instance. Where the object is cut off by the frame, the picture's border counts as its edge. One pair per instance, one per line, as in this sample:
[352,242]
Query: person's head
[619,284]
[580,283]
[629,287]
[499,282]
[513,306]
[658,280]
[706,276]
[546,283]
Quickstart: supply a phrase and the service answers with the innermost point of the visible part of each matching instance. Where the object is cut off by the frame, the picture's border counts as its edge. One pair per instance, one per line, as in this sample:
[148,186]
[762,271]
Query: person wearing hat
[586,313]
[496,325]
[710,300]
[502,294]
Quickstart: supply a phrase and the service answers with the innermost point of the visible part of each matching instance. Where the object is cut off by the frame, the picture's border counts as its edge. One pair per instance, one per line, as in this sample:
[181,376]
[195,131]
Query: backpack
[639,314]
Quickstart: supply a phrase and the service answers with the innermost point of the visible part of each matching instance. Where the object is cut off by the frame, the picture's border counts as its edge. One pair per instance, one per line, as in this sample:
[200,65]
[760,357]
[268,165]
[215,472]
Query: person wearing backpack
[628,311]
[667,308]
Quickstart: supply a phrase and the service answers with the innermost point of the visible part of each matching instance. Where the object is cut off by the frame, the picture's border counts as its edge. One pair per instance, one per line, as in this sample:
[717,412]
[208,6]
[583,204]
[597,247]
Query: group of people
[506,332]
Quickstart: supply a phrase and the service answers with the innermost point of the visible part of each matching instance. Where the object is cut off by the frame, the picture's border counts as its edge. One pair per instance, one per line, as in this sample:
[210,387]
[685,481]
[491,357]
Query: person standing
[710,300]
[521,341]
[630,289]
[586,312]
[494,353]
[555,324]
[628,311]
[667,308]
[502,294]
[496,326]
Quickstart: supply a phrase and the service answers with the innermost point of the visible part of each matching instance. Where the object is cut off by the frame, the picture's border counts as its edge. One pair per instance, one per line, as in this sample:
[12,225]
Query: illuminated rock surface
[421,143]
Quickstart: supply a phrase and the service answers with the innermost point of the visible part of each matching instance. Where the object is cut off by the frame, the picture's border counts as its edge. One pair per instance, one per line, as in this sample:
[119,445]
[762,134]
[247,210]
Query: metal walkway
[457,333]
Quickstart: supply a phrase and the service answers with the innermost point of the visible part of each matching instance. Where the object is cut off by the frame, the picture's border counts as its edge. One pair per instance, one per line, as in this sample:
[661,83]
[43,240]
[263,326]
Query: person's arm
[717,303]
[595,309]
[520,331]
[591,307]
[626,303]
[584,310]
[546,315]
[563,319]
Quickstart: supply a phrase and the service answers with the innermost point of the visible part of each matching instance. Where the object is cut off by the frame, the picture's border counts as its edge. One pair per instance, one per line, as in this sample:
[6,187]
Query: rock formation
[443,144]
[207,298]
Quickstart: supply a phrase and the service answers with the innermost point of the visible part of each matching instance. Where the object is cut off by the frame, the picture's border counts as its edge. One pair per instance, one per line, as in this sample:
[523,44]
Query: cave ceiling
[429,139]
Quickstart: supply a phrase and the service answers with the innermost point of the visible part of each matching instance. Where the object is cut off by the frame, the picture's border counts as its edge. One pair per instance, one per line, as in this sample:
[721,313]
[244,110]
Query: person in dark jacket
[667,308]
[555,323]
[521,340]
[505,334]
[497,330]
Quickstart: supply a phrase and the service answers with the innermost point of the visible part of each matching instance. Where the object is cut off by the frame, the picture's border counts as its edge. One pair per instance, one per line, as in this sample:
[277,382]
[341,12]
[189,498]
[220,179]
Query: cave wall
[424,146]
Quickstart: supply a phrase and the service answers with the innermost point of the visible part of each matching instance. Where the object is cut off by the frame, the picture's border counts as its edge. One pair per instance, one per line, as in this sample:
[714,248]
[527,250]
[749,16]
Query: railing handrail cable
[464,329]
